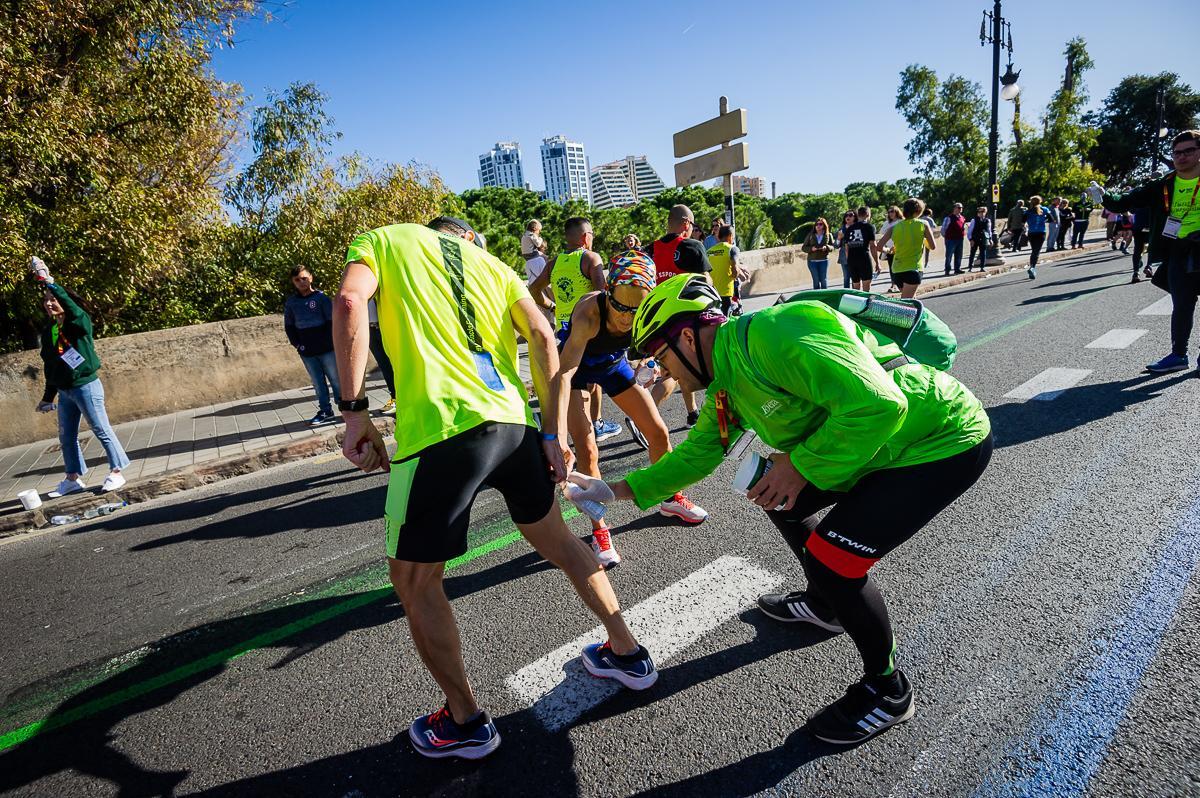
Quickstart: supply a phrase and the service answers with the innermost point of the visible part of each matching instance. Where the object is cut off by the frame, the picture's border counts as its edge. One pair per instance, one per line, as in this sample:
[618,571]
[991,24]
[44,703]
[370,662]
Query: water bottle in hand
[646,372]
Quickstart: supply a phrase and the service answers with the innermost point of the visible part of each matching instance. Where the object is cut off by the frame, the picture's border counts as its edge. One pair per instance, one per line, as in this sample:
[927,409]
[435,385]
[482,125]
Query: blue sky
[441,83]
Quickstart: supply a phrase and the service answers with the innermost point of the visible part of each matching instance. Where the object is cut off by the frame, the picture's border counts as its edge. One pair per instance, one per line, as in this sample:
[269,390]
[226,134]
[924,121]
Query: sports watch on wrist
[353,405]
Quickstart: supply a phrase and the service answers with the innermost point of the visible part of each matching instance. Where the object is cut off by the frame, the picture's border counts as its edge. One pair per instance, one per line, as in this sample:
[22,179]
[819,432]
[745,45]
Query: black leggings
[1035,245]
[880,512]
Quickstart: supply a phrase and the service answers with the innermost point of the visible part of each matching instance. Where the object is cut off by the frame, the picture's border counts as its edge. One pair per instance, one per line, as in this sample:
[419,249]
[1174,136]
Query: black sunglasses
[620,308]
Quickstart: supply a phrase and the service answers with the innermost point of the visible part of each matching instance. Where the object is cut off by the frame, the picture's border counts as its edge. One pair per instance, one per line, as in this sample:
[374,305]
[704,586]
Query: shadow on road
[1020,422]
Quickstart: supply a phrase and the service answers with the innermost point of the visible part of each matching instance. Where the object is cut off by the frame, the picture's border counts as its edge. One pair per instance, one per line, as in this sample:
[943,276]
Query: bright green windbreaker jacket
[813,387]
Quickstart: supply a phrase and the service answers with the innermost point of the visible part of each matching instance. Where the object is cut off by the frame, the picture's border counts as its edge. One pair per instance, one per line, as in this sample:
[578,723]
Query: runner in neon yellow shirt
[449,314]
[910,236]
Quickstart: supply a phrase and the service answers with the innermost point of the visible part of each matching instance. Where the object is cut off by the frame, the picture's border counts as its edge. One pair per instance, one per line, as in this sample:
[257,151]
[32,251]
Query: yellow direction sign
[717,163]
[995,192]
[718,130]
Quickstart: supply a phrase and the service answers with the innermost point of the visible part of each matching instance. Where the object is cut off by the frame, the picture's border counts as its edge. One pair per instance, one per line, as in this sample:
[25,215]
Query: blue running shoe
[1171,362]
[438,736]
[606,429]
[637,671]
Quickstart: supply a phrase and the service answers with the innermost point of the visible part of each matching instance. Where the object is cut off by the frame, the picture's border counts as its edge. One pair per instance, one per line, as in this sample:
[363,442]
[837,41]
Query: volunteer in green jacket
[888,442]
[910,236]
[71,366]
[1174,220]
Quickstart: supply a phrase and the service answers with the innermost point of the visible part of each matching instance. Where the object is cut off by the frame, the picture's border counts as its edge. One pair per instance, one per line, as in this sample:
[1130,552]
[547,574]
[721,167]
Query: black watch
[353,405]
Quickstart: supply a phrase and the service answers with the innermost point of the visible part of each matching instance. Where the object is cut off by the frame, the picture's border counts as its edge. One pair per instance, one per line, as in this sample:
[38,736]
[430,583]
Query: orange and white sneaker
[602,547]
[679,506]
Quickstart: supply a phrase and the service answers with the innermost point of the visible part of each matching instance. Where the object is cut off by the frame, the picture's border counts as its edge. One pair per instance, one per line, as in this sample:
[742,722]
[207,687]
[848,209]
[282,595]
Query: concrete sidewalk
[209,443]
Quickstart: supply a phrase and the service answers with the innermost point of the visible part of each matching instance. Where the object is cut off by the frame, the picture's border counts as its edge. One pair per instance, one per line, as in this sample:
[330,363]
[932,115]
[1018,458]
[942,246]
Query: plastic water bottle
[60,520]
[592,509]
[104,509]
[645,373]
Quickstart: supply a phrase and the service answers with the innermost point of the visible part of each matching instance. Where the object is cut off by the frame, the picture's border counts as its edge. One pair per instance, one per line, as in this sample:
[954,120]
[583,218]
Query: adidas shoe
[636,671]
[863,712]
[602,547]
[438,736]
[679,506]
[798,607]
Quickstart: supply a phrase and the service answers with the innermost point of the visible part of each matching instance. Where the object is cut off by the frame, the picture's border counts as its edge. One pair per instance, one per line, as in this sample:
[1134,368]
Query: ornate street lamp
[1000,37]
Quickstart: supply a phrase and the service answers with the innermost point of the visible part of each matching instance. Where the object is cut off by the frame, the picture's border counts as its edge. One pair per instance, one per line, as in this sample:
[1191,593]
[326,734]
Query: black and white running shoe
[638,437]
[799,607]
[862,713]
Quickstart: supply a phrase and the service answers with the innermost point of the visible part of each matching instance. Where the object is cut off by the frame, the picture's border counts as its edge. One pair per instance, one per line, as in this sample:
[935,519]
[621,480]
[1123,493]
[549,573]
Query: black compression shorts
[882,510]
[861,272]
[430,493]
[910,277]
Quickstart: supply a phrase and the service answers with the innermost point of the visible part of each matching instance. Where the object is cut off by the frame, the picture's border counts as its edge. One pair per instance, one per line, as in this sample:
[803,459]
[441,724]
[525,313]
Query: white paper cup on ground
[30,499]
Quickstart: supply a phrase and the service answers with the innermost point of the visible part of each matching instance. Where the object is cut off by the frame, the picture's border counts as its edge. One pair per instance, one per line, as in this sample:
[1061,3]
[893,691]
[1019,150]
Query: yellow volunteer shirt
[433,288]
[721,258]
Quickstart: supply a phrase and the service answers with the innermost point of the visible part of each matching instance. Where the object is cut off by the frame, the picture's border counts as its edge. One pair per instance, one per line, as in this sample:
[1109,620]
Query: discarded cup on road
[30,499]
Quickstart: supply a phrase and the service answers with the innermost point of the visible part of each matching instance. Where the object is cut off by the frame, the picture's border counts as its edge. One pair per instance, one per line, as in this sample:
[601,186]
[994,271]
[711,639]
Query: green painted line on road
[1013,326]
[263,640]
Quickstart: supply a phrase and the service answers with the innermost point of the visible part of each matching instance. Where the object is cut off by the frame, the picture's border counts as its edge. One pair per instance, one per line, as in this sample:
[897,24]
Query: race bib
[487,370]
[1172,227]
[71,357]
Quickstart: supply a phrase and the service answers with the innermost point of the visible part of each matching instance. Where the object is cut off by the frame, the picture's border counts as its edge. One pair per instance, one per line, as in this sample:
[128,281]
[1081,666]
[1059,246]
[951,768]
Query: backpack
[919,333]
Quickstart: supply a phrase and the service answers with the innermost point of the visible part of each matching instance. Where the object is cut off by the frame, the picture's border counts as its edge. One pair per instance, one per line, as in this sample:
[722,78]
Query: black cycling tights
[883,510]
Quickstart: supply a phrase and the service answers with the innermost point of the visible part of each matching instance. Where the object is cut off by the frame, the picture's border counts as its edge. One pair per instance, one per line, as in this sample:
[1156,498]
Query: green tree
[113,141]
[1127,123]
[949,120]
[1052,162]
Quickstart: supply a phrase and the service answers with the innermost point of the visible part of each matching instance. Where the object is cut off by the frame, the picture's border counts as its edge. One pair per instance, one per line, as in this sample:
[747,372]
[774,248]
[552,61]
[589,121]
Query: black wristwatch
[353,405]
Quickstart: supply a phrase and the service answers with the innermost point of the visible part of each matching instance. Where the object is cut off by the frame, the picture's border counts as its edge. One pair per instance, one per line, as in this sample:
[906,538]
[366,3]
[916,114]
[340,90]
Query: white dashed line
[560,690]
[1048,385]
[1160,308]
[1116,339]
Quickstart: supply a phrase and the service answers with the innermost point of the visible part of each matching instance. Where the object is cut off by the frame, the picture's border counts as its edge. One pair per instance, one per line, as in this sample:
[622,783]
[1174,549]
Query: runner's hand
[585,488]
[560,461]
[363,445]
[780,486]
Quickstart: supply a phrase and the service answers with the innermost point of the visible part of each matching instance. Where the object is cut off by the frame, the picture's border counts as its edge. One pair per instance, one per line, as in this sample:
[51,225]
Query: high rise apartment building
[754,186]
[624,182]
[501,166]
[565,167]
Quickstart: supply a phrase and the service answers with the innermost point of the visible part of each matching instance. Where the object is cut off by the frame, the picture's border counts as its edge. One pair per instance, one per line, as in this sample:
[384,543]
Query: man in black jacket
[1174,221]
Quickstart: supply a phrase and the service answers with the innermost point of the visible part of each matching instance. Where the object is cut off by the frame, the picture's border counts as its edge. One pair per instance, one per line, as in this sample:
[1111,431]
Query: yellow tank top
[568,283]
[909,237]
[720,257]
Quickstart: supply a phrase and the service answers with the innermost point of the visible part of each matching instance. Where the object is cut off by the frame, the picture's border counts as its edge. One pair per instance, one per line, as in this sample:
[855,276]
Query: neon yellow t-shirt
[719,255]
[442,387]
[569,284]
[909,237]
[1184,206]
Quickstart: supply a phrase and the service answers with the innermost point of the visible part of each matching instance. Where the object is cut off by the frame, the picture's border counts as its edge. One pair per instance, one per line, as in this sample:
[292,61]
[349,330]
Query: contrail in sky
[688,28]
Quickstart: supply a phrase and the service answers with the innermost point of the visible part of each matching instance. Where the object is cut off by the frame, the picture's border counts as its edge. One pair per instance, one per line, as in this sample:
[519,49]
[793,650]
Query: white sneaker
[114,480]
[67,486]
[389,408]
[602,547]
[679,506]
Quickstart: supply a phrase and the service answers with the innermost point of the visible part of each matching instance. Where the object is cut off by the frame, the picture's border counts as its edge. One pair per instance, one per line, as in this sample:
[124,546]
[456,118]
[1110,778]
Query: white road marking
[1048,385]
[560,690]
[1116,339]
[1160,308]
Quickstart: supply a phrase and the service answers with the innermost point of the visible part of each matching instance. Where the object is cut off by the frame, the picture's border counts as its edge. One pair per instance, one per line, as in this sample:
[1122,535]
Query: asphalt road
[241,639]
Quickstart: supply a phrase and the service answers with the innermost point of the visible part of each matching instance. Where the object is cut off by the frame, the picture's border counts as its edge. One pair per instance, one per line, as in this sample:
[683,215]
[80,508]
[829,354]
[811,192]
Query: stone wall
[148,374]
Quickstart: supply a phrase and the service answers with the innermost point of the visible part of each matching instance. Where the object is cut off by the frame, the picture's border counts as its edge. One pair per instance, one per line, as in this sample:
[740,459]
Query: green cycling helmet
[672,300]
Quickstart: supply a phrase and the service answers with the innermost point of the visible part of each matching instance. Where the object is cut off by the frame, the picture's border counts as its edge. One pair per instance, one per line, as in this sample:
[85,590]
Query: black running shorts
[881,511]
[430,493]
[861,271]
[910,277]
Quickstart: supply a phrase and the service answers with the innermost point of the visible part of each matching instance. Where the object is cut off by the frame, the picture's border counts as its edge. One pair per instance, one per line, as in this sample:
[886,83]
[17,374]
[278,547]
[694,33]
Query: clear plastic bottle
[592,509]
[60,520]
[646,372]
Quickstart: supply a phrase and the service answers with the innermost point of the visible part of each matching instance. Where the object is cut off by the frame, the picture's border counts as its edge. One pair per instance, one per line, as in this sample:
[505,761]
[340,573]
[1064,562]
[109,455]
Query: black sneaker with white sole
[799,607]
[863,712]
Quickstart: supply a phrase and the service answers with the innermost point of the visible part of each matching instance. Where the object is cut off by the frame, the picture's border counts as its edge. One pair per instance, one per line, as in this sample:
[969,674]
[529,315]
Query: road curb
[194,476]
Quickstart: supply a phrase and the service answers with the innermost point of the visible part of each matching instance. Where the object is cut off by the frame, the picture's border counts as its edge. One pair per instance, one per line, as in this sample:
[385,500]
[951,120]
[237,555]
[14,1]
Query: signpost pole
[723,106]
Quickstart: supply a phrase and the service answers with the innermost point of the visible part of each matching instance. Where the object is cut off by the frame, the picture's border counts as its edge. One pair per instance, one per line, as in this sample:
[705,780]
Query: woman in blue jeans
[817,246]
[71,363]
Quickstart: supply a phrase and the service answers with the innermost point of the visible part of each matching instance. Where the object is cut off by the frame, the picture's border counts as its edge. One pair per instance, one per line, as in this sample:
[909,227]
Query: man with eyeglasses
[1174,224]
